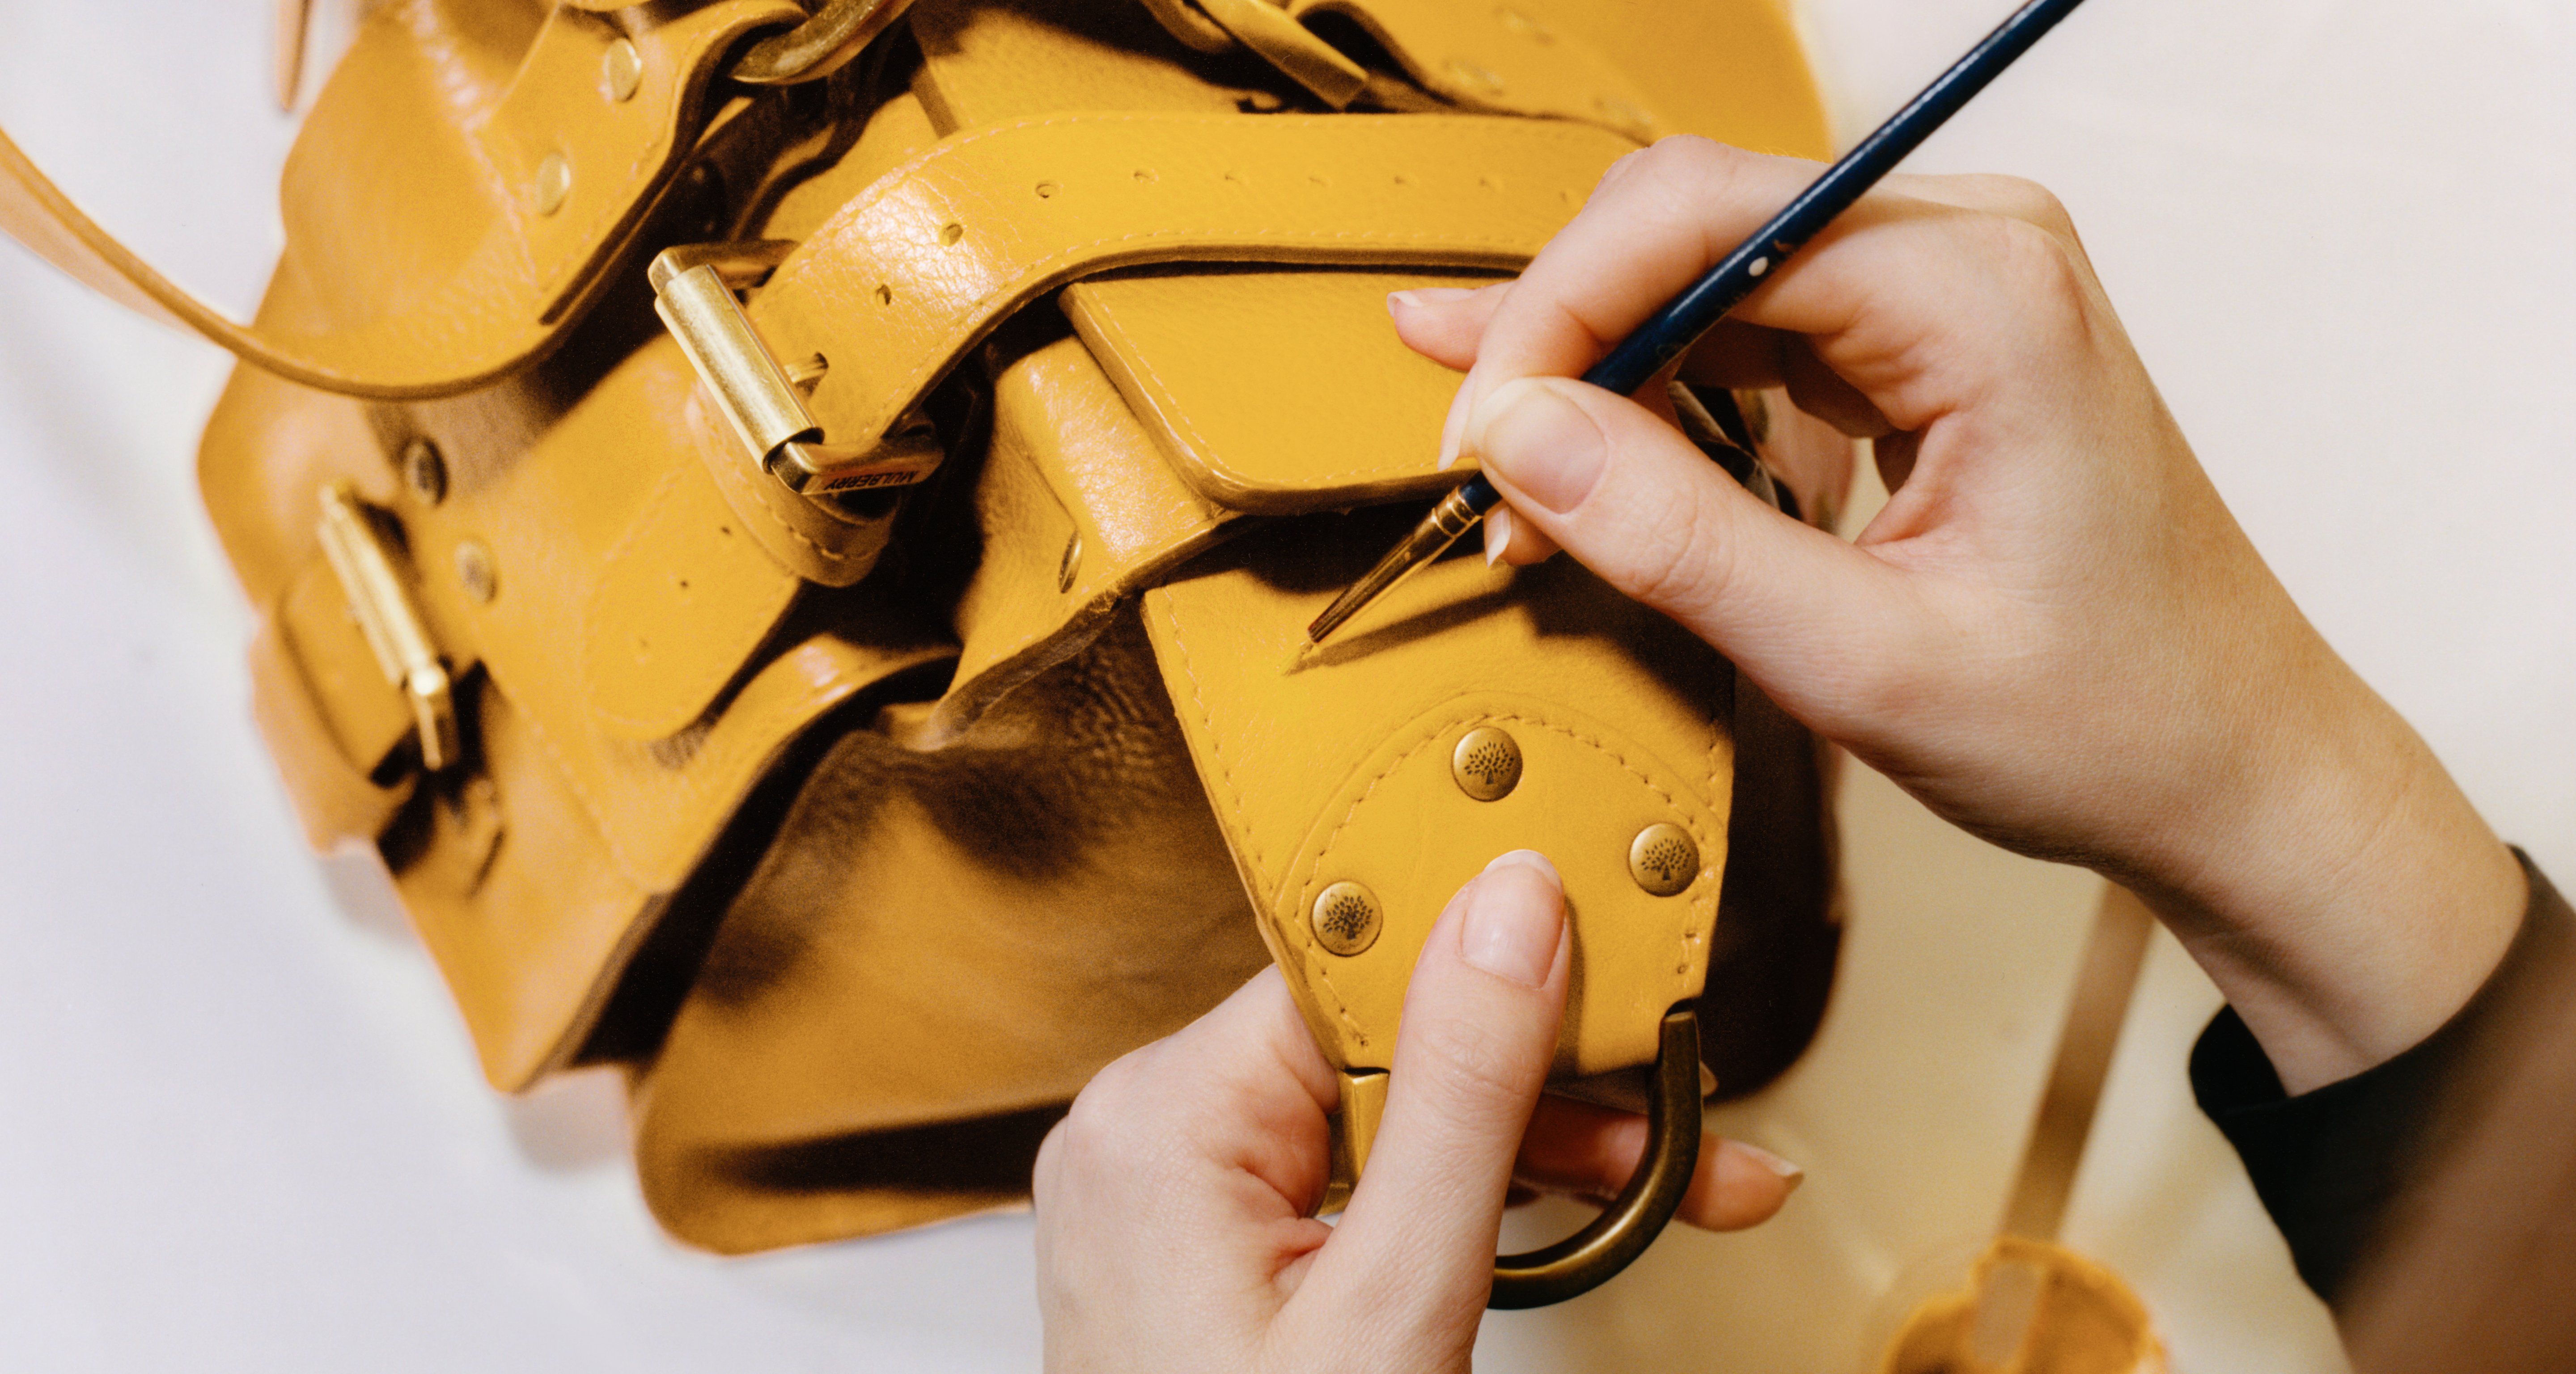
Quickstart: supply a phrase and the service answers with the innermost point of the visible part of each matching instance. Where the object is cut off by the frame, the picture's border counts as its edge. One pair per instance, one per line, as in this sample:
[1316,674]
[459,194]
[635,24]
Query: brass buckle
[1590,1257]
[693,287]
[391,623]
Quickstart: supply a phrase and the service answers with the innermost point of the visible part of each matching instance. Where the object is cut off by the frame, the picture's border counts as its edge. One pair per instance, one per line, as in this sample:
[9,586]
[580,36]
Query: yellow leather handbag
[790,535]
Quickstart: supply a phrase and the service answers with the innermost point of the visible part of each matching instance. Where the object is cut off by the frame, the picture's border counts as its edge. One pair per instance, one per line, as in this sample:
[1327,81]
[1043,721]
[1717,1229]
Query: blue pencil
[1671,331]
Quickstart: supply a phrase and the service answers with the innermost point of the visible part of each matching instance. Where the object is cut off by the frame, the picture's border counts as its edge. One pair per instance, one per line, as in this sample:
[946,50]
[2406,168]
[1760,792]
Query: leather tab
[680,604]
[1252,438]
[365,716]
[337,802]
[1334,766]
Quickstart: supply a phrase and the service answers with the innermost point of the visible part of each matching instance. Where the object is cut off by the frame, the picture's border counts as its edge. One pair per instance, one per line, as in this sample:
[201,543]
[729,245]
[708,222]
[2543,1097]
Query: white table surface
[239,1124]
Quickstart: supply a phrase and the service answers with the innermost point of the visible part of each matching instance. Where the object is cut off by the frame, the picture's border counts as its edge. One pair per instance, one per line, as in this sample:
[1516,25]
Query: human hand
[2054,634]
[1175,1226]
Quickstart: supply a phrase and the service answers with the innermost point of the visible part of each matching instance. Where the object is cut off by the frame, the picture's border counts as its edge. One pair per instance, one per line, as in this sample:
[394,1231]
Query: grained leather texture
[943,938]
[899,285]
[1077,512]
[1501,57]
[1333,765]
[1175,343]
[863,875]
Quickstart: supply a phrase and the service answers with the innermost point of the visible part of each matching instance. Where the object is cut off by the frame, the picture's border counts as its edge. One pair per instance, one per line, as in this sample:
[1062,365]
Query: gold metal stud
[424,471]
[1663,859]
[475,572]
[621,70]
[1486,763]
[1347,917]
[554,183]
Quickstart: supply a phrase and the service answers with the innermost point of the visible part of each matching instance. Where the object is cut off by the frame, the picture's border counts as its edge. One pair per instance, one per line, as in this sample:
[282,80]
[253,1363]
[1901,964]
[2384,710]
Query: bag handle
[587,137]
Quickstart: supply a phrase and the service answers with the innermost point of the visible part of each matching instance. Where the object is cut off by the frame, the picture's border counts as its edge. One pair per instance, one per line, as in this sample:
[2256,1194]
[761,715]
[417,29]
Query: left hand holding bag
[1175,1226]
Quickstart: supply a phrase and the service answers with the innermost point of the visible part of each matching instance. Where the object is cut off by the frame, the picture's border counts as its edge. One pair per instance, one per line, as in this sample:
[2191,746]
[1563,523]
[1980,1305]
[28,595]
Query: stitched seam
[1690,936]
[883,188]
[1302,939]
[760,493]
[712,671]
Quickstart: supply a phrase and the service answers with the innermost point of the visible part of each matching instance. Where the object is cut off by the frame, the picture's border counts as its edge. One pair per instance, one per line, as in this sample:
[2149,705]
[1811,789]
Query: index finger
[1882,281]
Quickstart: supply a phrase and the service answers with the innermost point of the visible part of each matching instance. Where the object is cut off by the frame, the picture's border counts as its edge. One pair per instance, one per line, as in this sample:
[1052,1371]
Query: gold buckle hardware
[693,288]
[391,624]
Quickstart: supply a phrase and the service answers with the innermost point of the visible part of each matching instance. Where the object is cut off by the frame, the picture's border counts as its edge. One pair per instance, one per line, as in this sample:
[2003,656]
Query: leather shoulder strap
[565,168]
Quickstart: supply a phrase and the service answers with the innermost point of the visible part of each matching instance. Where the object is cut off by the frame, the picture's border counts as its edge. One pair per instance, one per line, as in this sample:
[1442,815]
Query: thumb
[1641,506]
[1479,1030]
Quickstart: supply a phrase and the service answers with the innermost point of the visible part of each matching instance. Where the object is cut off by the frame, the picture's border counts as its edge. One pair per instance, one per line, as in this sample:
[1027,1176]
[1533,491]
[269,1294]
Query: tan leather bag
[863,705]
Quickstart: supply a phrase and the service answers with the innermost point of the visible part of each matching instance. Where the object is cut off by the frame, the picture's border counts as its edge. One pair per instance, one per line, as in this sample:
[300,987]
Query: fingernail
[1420,296]
[1505,933]
[1529,858]
[1454,424]
[1538,441]
[1788,1173]
[1498,534]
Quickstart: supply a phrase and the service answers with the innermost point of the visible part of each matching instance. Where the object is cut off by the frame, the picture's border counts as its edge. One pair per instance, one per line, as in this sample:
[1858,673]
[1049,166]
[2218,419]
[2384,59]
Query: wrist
[2337,886]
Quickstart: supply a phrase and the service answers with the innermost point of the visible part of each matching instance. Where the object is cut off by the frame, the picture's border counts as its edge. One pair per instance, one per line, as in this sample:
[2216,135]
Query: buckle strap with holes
[391,623]
[693,289]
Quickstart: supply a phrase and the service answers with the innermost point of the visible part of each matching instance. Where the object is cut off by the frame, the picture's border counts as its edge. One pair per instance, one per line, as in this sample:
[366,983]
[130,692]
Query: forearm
[2338,886]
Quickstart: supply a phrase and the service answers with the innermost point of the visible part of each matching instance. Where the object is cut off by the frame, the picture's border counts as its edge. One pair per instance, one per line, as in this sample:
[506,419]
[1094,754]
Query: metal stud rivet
[1486,763]
[621,70]
[554,183]
[1663,859]
[474,571]
[424,471]
[1347,917]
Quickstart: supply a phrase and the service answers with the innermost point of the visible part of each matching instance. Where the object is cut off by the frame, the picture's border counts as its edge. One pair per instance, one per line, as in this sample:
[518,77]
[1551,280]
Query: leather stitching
[1242,826]
[1690,936]
[710,671]
[978,311]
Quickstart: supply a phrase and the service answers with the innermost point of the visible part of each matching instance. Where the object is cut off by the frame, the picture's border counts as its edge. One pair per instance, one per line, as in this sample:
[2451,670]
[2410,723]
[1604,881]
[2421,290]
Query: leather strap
[501,269]
[1374,798]
[897,287]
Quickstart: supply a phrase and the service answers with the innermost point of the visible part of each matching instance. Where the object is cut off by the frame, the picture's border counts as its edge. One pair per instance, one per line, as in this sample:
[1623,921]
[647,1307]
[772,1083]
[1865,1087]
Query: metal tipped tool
[1456,514]
[1671,331]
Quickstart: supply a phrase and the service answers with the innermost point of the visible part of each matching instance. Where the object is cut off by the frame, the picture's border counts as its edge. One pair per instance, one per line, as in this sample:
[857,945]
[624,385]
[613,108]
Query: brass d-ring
[1585,1260]
[820,46]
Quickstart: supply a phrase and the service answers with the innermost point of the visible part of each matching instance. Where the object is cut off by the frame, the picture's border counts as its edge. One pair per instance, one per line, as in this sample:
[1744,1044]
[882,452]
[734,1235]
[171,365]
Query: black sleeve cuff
[2332,1165]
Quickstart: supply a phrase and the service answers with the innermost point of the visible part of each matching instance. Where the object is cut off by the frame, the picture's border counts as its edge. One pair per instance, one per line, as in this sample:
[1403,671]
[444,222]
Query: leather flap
[1226,369]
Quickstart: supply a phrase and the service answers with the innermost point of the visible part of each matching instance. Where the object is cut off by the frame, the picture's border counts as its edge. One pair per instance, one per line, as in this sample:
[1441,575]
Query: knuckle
[2025,200]
[1682,564]
[2039,271]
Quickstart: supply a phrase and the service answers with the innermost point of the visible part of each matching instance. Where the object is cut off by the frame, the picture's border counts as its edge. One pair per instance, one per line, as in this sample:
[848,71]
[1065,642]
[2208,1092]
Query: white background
[239,1124]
